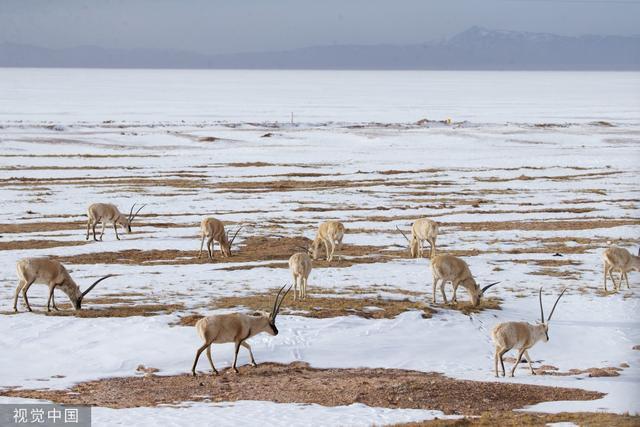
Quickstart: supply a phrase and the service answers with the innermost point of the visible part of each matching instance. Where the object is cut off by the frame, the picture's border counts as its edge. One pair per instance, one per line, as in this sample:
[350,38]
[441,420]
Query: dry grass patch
[299,383]
[466,307]
[39,227]
[322,307]
[607,371]
[37,244]
[554,272]
[253,249]
[528,419]
[112,311]
[543,225]
[591,175]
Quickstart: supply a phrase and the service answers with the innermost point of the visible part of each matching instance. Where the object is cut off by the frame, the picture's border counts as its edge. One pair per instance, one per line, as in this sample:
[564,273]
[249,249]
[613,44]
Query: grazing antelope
[300,267]
[448,268]
[53,274]
[236,328]
[521,336]
[421,230]
[213,230]
[106,212]
[619,259]
[329,233]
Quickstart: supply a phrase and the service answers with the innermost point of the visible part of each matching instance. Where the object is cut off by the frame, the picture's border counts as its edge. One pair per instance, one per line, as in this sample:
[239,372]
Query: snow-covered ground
[518,172]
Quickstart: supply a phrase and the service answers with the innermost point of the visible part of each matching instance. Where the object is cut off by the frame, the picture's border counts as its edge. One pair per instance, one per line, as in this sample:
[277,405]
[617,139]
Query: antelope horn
[482,291]
[234,236]
[403,235]
[131,213]
[556,303]
[541,310]
[95,283]
[302,247]
[282,299]
[136,214]
[275,303]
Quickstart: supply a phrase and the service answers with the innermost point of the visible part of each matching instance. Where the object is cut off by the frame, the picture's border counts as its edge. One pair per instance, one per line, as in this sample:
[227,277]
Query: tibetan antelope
[236,328]
[521,336]
[213,230]
[619,259]
[53,274]
[421,230]
[448,268]
[330,233]
[106,212]
[300,267]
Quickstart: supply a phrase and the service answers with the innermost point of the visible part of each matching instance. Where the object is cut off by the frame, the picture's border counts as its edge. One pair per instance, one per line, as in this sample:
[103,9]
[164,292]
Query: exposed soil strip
[254,249]
[38,244]
[321,307]
[298,383]
[528,419]
[113,311]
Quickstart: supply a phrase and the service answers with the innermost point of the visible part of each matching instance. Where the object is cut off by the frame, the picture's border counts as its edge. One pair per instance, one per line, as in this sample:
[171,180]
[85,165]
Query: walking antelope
[236,328]
[448,268]
[619,259]
[330,233]
[521,336]
[213,230]
[421,230]
[300,267]
[53,274]
[106,212]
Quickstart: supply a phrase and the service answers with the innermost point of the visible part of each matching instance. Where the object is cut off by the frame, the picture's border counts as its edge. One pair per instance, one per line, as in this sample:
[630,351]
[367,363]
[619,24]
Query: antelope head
[475,290]
[78,296]
[273,330]
[126,221]
[225,246]
[413,243]
[544,325]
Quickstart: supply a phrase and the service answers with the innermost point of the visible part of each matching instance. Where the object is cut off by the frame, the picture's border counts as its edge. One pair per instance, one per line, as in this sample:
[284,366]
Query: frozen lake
[68,95]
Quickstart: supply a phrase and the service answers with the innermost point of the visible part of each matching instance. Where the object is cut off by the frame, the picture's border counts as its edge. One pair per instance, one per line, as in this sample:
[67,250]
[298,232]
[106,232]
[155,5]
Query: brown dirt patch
[324,303]
[253,249]
[528,419]
[607,371]
[467,308]
[117,311]
[591,175]
[37,244]
[39,227]
[298,383]
[320,307]
[546,225]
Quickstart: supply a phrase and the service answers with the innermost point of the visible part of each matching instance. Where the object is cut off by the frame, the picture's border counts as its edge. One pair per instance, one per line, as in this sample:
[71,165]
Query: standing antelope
[521,336]
[53,274]
[421,230]
[448,268]
[619,259]
[106,212]
[236,328]
[213,230]
[300,267]
[329,233]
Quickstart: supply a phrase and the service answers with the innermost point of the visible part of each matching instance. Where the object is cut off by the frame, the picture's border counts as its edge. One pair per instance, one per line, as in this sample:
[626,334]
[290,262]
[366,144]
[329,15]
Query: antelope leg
[248,347]
[215,371]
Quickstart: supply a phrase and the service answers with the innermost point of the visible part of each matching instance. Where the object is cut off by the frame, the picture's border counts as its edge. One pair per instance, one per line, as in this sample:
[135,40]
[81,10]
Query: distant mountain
[474,49]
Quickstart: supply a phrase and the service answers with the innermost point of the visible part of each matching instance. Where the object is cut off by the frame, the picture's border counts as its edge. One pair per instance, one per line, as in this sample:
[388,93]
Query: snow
[61,112]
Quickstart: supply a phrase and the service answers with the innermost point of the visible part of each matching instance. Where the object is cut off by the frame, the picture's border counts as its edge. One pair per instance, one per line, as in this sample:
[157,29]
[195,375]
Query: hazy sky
[210,26]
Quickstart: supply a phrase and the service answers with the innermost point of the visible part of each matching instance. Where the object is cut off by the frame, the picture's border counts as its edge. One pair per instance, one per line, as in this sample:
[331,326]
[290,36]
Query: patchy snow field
[511,183]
